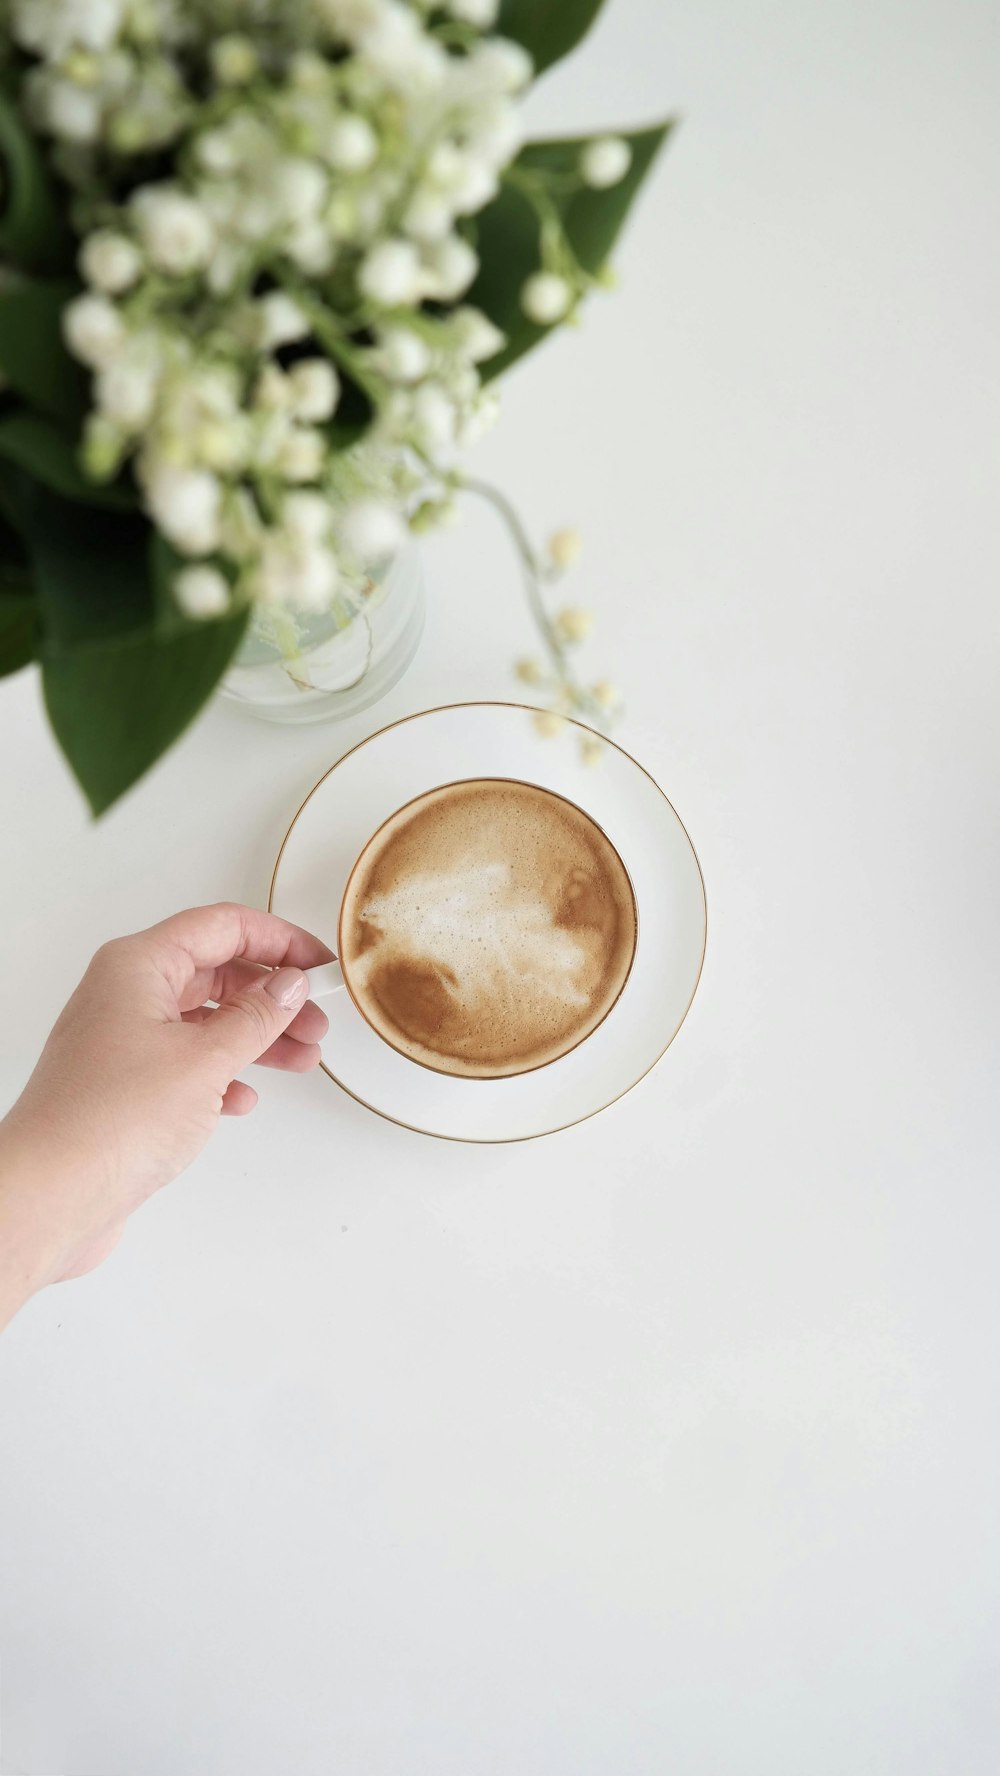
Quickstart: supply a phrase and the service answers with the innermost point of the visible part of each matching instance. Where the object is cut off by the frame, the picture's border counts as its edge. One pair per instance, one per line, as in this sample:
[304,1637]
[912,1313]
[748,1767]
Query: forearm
[35,1214]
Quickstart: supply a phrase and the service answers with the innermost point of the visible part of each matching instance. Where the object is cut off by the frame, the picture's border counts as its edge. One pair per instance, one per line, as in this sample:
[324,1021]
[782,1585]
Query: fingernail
[289,986]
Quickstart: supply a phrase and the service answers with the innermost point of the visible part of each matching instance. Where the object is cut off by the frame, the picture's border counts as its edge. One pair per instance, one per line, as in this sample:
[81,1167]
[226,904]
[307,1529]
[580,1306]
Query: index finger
[202,939]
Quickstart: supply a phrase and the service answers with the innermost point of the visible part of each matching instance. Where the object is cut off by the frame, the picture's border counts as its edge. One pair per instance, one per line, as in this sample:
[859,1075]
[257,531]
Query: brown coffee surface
[487,928]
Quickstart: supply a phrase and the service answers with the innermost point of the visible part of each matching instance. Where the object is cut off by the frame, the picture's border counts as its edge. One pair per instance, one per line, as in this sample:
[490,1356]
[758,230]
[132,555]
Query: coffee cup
[486,929]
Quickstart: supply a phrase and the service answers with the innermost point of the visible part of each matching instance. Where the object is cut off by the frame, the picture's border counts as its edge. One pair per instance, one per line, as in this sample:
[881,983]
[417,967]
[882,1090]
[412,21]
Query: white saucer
[467,740]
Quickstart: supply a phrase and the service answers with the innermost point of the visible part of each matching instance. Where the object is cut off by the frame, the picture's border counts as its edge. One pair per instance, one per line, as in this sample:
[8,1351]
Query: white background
[669,1444]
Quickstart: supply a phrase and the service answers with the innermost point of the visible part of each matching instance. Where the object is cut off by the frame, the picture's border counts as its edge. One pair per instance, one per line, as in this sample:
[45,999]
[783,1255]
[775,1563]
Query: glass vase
[292,667]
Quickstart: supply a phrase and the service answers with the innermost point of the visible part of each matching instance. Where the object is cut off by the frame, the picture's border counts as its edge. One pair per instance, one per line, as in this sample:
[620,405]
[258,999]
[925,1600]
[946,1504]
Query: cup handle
[324,980]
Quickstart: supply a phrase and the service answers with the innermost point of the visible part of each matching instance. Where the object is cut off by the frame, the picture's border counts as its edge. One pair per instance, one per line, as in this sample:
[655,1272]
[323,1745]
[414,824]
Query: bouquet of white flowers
[263,261]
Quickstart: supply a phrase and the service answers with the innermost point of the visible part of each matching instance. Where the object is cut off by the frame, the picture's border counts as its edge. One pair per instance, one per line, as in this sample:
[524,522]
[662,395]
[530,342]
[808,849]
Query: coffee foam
[487,927]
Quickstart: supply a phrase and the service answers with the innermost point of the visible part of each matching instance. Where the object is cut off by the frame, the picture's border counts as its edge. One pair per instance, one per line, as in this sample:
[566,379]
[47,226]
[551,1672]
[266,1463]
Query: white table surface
[669,1444]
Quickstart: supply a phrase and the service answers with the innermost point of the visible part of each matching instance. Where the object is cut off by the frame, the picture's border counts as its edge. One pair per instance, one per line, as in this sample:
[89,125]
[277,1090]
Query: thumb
[249,1021]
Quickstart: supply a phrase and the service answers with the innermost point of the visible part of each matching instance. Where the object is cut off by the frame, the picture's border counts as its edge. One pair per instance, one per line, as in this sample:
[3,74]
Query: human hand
[136,1074]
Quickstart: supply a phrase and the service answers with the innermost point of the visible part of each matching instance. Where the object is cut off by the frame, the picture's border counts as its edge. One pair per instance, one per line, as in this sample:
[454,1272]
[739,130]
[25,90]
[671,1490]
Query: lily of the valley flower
[546,298]
[605,162]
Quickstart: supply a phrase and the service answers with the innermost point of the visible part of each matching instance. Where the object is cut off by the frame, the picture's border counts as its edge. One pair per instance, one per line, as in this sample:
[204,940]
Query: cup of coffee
[486,929]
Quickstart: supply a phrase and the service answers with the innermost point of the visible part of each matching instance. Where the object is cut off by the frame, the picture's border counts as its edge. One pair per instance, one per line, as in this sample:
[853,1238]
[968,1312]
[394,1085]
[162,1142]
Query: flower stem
[328,331]
[569,686]
[556,251]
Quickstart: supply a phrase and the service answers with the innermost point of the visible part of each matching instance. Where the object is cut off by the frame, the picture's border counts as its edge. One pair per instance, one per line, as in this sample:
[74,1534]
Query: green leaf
[37,446]
[116,707]
[123,670]
[353,416]
[33,358]
[508,239]
[91,568]
[165,563]
[19,627]
[33,231]
[548,29]
[18,620]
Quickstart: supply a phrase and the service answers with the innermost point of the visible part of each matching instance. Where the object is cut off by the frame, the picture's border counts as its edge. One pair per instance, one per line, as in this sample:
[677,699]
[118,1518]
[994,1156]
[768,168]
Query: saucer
[474,740]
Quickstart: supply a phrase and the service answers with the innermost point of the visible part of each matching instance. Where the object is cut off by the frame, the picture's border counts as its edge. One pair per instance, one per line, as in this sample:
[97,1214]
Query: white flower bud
[573,624]
[83,67]
[433,418]
[476,186]
[445,163]
[546,298]
[175,229]
[342,216]
[185,505]
[93,329]
[371,531]
[255,215]
[496,132]
[126,392]
[548,724]
[234,60]
[103,447]
[480,418]
[402,356]
[350,144]
[498,65]
[481,13]
[474,335]
[217,151]
[394,43]
[462,382]
[280,321]
[297,574]
[300,187]
[308,71]
[216,388]
[605,693]
[70,111]
[314,583]
[118,65]
[54,30]
[449,268]
[390,274]
[306,516]
[565,548]
[110,262]
[428,216]
[315,388]
[311,247]
[223,444]
[529,672]
[272,390]
[241,527]
[224,270]
[605,162]
[301,455]
[202,592]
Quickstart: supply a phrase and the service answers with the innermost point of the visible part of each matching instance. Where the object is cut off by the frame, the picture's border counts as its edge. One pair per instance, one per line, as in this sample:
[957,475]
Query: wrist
[36,1219]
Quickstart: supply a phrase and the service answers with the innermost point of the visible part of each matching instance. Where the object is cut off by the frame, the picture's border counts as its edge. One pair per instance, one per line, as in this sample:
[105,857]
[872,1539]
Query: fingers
[202,940]
[290,1055]
[238,1099]
[296,1051]
[222,983]
[310,1024]
[219,983]
[245,1025]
